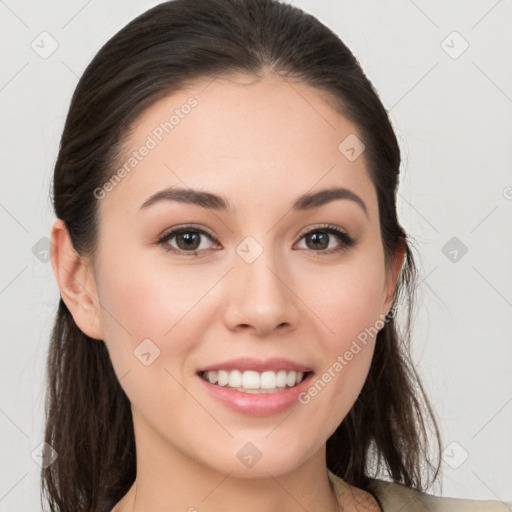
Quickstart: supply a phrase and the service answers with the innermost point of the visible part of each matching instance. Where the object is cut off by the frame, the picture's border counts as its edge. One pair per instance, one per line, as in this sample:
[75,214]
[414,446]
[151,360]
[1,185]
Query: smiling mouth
[253,382]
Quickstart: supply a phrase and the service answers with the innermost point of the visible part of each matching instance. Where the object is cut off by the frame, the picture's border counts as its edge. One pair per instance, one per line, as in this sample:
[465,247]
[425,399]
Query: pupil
[187,237]
[316,237]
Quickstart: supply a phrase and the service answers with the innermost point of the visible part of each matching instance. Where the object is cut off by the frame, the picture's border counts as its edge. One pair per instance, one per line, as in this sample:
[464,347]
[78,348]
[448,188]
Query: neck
[249,497]
[168,479]
[213,492]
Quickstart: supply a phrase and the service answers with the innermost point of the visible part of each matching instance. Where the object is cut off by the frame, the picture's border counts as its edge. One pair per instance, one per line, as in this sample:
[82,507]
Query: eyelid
[177,229]
[319,227]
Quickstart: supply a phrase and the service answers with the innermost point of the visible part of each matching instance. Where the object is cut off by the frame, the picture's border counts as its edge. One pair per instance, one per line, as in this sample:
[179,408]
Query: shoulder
[397,497]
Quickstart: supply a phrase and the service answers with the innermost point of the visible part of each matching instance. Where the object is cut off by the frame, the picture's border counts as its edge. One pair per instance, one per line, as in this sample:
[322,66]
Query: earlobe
[76,282]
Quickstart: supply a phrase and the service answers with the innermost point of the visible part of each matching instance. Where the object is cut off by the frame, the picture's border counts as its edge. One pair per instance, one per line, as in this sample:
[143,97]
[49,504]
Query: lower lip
[260,404]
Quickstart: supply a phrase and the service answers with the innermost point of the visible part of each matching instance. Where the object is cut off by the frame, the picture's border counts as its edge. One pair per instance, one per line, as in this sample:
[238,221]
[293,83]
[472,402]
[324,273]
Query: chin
[259,458]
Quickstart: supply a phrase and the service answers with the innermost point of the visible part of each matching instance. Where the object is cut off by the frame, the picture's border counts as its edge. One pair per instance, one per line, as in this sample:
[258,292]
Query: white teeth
[251,381]
[235,379]
[290,378]
[222,378]
[281,379]
[268,380]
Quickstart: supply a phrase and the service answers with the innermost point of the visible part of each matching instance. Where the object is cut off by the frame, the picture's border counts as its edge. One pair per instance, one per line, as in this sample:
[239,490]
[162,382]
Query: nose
[261,296]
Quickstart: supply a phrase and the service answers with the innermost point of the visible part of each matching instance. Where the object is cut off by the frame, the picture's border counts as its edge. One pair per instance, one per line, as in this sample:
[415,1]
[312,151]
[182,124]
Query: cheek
[141,302]
[145,298]
[150,327]
[350,300]
[349,305]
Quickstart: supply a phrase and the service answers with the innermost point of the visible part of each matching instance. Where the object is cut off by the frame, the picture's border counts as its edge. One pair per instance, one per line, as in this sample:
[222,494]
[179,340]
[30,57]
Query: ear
[76,281]
[392,277]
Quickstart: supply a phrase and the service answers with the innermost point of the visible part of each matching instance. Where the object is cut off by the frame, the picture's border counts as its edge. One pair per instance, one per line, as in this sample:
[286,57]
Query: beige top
[394,497]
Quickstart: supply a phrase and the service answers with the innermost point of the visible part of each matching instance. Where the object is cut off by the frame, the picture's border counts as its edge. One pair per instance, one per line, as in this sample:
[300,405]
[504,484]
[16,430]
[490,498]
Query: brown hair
[88,415]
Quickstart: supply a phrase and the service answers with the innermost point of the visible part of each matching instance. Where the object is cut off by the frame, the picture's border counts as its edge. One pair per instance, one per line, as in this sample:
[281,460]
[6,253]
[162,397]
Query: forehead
[265,138]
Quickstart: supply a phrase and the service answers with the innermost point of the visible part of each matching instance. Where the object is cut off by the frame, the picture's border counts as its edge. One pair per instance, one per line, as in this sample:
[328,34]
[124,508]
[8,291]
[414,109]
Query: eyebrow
[208,200]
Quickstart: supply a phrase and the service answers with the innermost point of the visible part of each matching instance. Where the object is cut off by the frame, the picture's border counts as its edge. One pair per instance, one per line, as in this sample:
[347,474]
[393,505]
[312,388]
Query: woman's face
[264,281]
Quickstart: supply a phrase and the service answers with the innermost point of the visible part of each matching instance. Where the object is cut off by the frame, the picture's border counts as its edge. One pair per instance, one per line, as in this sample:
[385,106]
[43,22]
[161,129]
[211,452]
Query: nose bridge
[259,276]
[260,297]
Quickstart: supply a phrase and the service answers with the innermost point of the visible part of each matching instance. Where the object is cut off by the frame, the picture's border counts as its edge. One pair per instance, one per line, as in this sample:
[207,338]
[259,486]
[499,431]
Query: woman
[230,266]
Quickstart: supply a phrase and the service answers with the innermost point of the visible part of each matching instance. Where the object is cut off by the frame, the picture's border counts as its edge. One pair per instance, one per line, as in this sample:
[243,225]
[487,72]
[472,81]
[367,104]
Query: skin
[260,144]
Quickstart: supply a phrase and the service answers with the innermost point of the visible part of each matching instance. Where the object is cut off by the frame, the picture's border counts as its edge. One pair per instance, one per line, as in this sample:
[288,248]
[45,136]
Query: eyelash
[346,240]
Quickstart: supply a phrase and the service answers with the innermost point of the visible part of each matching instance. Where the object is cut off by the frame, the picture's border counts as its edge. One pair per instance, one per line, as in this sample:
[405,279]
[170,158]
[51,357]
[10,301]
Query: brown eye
[188,240]
[319,239]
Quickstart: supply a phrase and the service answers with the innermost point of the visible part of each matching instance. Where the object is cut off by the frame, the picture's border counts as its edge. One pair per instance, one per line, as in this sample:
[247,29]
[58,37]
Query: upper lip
[257,365]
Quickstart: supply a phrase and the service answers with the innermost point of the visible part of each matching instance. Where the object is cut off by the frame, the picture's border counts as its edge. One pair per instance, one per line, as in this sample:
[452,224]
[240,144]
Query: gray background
[452,111]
